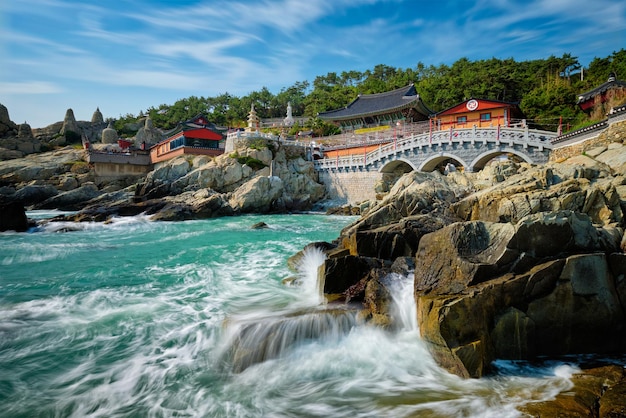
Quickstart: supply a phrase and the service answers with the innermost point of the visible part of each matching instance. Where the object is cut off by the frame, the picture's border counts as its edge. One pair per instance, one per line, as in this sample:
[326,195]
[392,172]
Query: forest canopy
[546,90]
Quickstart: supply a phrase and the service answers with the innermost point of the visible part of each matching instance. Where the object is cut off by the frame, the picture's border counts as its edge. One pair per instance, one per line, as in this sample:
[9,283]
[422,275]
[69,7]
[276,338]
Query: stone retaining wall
[614,132]
[350,187]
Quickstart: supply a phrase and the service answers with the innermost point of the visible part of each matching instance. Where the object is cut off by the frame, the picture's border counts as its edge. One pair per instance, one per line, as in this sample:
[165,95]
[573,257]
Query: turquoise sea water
[135,318]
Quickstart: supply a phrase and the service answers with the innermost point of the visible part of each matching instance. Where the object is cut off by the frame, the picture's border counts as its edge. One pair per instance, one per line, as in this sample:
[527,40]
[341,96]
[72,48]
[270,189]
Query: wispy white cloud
[30,87]
[38,43]
[211,46]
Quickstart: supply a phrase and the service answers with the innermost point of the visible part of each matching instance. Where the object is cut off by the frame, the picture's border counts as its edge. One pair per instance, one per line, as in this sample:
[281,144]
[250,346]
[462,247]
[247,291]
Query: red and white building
[196,136]
[482,113]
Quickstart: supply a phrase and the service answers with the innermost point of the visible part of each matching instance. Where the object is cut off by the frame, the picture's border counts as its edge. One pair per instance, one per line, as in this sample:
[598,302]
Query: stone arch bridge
[351,179]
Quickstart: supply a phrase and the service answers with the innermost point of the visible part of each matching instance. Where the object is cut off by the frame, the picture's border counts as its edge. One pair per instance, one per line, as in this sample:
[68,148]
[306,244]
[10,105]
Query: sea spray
[271,335]
[403,308]
[255,341]
[308,277]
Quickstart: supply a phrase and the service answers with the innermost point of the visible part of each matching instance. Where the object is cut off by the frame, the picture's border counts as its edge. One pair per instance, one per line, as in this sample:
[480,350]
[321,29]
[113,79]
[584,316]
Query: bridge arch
[433,162]
[400,165]
[480,161]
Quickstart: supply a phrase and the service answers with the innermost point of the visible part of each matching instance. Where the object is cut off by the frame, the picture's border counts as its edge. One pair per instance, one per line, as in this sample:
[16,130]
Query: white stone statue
[288,121]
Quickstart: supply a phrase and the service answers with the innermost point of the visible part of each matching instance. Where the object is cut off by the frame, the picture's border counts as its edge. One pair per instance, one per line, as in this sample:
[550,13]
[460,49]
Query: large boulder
[71,200]
[13,217]
[549,285]
[338,274]
[34,193]
[170,170]
[256,179]
[200,204]
[257,195]
[394,240]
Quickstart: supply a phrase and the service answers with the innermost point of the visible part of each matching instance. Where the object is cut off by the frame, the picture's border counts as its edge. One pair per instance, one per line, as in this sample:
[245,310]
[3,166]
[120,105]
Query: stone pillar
[97,116]
[24,131]
[69,124]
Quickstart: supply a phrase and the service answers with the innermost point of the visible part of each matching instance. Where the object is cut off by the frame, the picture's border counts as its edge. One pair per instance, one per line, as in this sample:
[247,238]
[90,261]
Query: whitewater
[133,318]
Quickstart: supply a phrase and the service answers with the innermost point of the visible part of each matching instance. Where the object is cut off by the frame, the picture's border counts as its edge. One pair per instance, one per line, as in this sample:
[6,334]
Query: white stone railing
[617,114]
[524,137]
[247,134]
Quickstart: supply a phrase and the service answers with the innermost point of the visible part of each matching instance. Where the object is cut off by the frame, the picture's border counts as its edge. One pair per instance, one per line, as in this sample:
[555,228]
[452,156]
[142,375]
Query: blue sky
[125,56]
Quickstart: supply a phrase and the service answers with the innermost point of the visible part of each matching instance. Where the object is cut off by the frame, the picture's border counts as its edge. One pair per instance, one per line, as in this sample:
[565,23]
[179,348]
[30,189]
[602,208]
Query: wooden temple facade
[481,113]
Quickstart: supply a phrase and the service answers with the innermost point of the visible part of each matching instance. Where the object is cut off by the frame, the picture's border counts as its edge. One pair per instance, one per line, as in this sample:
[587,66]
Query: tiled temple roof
[380,103]
[603,88]
[198,121]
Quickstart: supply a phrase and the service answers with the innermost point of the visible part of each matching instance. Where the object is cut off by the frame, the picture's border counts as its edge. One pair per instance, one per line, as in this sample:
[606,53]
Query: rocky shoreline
[514,262]
[269,178]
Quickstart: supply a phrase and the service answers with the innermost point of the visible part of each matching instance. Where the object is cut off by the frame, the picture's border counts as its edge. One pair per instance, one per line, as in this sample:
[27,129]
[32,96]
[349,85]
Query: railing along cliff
[616,114]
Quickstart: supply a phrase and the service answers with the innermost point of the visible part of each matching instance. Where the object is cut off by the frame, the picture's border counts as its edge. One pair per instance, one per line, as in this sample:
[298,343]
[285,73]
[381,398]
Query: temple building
[481,113]
[196,136]
[612,90]
[380,110]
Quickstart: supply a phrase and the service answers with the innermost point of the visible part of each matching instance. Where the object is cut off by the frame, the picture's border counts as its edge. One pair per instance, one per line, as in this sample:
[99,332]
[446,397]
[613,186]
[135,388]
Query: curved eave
[178,128]
[600,90]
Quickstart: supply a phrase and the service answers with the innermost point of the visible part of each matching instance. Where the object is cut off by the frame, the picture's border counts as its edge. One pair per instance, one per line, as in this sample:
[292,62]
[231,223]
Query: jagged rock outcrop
[148,135]
[259,180]
[582,184]
[7,127]
[549,285]
[15,141]
[97,116]
[70,131]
